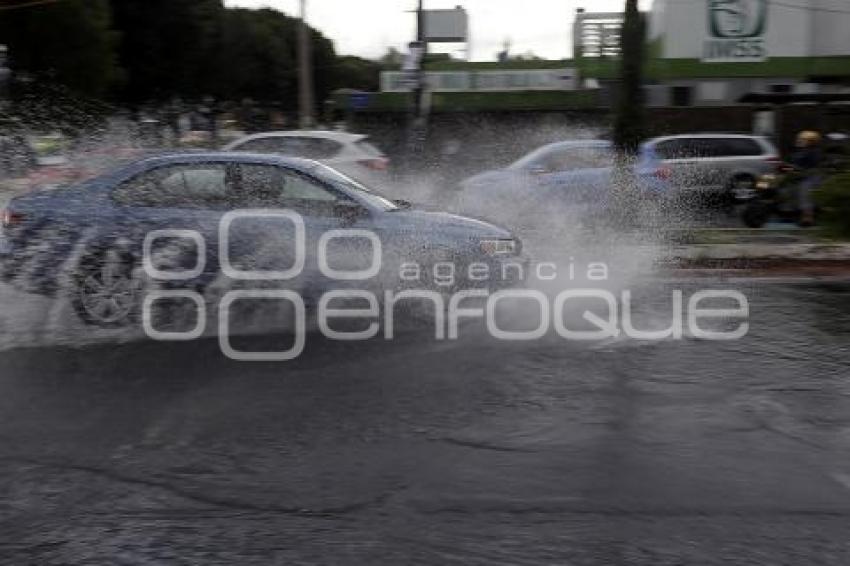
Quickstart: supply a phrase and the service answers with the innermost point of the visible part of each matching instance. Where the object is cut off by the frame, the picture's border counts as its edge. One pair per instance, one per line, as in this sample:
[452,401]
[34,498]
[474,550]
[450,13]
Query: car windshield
[581,156]
[527,160]
[336,178]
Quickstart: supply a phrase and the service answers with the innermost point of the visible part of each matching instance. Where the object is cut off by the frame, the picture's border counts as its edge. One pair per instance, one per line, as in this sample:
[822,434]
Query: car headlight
[765,182]
[502,246]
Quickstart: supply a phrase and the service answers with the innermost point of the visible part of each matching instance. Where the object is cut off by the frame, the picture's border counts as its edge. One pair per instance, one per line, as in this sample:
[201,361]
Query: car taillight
[11,218]
[376,164]
[777,163]
[663,173]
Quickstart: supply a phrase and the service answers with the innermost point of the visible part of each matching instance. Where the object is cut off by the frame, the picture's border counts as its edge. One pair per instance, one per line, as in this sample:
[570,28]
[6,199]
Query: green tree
[357,73]
[168,47]
[527,56]
[69,42]
[326,66]
[629,120]
[258,58]
[392,60]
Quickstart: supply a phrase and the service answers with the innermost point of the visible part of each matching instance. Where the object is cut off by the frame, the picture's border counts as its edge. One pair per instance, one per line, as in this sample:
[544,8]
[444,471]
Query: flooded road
[473,451]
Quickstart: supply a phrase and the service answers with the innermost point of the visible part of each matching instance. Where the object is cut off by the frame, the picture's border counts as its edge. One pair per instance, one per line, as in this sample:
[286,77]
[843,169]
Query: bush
[833,198]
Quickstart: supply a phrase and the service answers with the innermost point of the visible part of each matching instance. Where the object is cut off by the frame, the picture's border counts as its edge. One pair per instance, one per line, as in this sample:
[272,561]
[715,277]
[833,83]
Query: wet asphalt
[420,451]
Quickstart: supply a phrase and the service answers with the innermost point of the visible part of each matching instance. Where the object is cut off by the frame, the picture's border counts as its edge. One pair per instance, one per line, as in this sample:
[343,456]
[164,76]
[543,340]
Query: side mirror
[403,204]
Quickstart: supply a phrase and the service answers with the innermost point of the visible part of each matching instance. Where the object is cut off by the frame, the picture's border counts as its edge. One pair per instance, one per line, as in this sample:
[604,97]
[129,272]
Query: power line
[809,8]
[783,4]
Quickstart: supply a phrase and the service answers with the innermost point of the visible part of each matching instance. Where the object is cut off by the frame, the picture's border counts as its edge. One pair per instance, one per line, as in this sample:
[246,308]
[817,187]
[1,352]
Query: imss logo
[736,29]
[737,18]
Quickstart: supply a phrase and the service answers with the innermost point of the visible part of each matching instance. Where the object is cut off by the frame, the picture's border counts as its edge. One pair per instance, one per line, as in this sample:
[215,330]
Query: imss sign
[736,31]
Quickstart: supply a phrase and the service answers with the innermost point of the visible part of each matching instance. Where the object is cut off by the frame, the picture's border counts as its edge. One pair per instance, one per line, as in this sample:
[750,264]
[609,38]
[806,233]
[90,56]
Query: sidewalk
[780,252]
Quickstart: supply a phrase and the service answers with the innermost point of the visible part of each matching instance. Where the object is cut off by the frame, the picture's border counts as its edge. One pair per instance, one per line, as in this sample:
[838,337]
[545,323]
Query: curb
[815,252]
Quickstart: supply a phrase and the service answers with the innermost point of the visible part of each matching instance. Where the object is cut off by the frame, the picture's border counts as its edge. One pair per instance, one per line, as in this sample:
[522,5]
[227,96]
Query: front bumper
[501,272]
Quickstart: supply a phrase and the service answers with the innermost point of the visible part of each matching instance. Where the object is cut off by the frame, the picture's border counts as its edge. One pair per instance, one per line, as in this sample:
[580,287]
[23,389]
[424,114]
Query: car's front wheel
[107,288]
[742,188]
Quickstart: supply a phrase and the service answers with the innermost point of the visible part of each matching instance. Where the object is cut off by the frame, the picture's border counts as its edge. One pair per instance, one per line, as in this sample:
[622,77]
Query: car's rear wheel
[107,288]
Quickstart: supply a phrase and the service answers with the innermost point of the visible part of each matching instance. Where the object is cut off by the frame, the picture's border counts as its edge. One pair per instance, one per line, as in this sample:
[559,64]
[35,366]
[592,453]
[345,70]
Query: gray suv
[714,164]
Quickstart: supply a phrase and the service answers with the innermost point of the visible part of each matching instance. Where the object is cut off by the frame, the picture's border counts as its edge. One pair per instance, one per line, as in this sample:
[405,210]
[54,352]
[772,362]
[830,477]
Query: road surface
[473,451]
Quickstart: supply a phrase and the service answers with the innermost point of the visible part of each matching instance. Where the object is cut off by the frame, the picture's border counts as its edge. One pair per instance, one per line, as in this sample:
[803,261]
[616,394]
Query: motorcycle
[776,195]
[775,198]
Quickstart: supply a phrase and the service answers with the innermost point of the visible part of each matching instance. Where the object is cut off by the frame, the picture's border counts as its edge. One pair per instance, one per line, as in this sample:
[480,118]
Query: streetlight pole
[305,71]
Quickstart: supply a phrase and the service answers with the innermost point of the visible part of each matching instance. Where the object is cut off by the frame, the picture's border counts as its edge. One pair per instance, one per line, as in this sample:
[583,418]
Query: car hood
[425,221]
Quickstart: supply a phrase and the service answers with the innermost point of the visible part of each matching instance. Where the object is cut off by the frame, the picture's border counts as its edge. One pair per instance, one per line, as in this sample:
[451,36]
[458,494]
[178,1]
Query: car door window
[323,149]
[202,185]
[740,147]
[368,148]
[270,186]
[594,158]
[667,149]
[265,145]
[298,147]
[684,148]
[552,162]
[708,147]
[295,146]
[312,148]
[574,158]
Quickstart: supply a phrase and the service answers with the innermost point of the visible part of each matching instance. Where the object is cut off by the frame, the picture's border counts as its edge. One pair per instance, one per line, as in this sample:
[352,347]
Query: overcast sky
[368,27]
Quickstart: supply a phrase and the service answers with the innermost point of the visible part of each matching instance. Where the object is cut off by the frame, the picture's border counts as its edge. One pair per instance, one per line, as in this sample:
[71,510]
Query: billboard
[446,26]
[491,80]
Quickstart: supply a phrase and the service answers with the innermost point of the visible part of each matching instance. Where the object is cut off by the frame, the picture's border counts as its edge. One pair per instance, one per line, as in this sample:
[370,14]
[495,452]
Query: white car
[714,164]
[353,154]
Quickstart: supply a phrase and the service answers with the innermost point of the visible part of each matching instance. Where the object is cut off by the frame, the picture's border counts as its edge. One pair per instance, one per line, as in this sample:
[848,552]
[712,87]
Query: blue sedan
[574,175]
[171,215]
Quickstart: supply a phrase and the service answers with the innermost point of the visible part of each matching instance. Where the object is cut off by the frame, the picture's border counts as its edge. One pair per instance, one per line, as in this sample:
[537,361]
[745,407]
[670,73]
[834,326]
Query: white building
[713,52]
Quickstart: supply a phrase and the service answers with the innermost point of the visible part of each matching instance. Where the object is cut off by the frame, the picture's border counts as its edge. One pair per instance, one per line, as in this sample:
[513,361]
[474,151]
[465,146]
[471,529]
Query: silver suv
[716,164]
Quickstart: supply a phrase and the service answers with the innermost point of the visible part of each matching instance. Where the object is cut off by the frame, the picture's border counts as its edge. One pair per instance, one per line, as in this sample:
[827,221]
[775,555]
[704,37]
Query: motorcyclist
[807,158]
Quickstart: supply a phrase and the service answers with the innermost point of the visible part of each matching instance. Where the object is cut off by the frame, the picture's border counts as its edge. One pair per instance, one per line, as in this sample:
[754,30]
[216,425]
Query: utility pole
[419,92]
[305,72]
[415,65]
